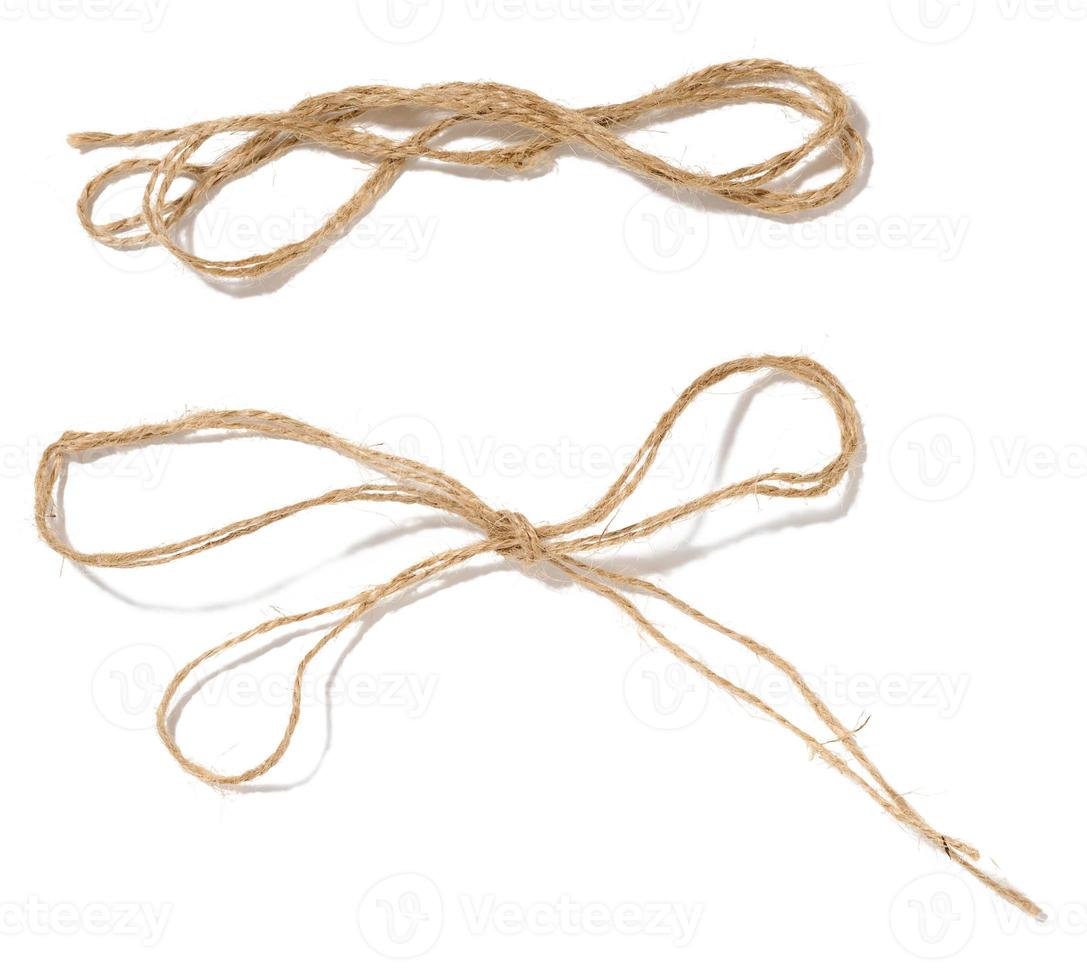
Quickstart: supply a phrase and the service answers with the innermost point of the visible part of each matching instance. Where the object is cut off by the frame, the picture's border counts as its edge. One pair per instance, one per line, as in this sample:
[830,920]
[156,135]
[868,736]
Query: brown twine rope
[336,121]
[513,536]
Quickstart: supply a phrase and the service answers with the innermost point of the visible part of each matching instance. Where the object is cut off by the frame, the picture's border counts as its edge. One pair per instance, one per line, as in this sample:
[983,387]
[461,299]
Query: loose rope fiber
[336,121]
[561,546]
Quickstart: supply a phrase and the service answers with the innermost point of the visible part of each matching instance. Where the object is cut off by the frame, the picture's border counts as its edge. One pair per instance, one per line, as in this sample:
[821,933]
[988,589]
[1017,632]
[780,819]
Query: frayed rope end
[83,141]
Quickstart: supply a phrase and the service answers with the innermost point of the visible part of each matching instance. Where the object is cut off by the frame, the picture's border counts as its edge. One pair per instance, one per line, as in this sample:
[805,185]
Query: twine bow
[513,536]
[336,121]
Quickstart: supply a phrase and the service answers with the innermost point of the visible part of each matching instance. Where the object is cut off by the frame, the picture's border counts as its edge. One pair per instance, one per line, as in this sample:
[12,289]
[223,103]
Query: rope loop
[338,122]
[511,535]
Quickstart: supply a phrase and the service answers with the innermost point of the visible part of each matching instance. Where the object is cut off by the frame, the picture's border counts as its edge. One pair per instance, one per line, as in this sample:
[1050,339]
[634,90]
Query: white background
[506,752]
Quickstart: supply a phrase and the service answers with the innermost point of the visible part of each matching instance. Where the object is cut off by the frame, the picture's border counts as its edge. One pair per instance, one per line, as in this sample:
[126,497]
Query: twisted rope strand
[337,121]
[512,535]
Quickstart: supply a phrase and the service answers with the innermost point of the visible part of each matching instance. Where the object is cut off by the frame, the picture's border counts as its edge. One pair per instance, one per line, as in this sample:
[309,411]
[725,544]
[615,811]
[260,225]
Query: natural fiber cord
[336,121]
[560,546]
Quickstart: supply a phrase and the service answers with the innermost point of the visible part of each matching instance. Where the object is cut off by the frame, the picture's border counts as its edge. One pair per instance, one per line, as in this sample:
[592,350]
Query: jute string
[337,122]
[562,546]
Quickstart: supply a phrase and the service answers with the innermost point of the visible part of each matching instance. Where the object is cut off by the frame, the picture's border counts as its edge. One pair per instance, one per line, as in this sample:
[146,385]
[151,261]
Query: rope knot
[517,537]
[511,535]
